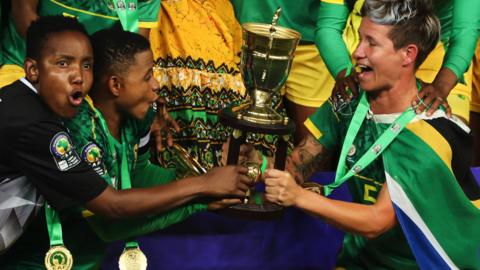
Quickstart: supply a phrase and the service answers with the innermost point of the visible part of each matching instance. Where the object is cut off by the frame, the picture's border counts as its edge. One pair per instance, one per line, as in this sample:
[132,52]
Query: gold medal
[58,258]
[132,259]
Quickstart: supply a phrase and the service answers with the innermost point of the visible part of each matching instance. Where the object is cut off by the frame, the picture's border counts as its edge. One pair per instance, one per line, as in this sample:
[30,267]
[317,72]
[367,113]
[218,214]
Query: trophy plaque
[266,58]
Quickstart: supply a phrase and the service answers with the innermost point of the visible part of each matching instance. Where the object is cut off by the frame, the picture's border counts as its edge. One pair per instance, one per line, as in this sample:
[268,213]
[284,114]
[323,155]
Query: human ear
[30,67]
[114,85]
[410,54]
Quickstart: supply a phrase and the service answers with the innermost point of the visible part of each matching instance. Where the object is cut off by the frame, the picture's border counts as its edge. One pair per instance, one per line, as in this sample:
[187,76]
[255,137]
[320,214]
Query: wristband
[263,167]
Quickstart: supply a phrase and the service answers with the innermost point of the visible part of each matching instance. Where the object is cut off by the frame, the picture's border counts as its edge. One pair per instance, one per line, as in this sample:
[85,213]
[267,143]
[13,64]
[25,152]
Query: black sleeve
[45,154]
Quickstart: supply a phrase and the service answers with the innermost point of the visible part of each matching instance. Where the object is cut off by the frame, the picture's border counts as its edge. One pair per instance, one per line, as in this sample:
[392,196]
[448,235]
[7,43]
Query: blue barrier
[211,241]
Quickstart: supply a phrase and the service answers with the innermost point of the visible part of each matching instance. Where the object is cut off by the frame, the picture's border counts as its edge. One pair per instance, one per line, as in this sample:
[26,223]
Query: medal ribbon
[374,151]
[128,16]
[54,226]
[125,181]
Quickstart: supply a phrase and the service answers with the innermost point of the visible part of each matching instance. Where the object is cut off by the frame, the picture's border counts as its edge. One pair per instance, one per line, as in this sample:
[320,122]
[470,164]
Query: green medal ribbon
[58,256]
[127,12]
[125,181]
[54,226]
[374,151]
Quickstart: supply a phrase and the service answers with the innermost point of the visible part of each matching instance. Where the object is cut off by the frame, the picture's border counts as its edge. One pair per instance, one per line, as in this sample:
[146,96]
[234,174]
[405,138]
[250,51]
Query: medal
[132,259]
[58,258]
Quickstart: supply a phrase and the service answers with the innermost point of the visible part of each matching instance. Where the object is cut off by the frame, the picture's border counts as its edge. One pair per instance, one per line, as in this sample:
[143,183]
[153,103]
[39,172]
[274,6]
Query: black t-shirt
[34,143]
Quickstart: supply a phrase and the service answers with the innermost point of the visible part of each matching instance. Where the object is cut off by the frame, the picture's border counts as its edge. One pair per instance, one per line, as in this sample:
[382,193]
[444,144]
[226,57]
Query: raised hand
[163,126]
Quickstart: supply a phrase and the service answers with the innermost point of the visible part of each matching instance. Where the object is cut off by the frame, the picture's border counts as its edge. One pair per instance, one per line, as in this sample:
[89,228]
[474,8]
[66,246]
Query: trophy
[266,58]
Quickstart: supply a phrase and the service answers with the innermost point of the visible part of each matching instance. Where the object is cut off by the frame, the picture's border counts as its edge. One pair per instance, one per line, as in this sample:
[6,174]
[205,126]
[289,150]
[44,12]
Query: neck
[109,111]
[395,99]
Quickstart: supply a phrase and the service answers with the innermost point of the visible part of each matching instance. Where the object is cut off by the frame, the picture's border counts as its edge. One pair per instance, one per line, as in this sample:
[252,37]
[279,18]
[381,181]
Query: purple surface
[211,241]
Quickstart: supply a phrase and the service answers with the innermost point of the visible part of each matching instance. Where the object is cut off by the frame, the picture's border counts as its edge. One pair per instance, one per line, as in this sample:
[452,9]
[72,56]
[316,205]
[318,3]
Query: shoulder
[20,107]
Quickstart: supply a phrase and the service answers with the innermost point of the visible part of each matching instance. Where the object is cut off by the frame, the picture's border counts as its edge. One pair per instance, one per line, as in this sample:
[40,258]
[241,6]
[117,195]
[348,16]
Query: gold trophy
[267,55]
[266,58]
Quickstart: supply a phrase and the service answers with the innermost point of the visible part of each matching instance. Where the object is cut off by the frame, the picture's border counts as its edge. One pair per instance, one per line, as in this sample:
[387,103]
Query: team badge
[63,152]
[93,155]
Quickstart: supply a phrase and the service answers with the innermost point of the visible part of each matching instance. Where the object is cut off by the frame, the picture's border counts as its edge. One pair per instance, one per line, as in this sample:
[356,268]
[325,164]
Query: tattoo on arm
[312,157]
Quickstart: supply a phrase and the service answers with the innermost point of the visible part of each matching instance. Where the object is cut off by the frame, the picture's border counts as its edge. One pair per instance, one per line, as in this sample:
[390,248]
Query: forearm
[142,201]
[328,37]
[112,229]
[464,36]
[24,12]
[366,220]
[445,81]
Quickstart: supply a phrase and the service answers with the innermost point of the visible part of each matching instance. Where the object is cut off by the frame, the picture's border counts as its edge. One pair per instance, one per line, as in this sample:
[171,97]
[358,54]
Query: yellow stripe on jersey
[434,139]
[84,11]
[148,24]
[313,129]
[338,2]
[476,203]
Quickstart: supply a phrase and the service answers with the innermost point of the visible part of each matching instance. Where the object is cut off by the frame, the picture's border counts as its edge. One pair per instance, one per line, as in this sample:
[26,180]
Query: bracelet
[263,167]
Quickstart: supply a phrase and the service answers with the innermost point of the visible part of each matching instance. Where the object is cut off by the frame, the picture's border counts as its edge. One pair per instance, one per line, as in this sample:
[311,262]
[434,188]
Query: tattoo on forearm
[312,156]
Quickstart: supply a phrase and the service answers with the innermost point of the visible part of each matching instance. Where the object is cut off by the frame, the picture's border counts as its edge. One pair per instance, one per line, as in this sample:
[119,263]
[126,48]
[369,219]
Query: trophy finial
[276,16]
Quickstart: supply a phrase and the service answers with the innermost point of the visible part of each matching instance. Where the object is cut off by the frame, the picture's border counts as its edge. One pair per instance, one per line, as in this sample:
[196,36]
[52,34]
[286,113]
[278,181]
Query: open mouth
[76,98]
[362,68]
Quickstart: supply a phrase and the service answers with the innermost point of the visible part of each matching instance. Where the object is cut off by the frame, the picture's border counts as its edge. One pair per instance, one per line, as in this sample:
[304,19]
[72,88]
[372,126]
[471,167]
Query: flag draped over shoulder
[441,224]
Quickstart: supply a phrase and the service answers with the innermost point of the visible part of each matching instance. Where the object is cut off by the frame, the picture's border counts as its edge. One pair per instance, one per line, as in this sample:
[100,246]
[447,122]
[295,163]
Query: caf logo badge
[63,153]
[93,155]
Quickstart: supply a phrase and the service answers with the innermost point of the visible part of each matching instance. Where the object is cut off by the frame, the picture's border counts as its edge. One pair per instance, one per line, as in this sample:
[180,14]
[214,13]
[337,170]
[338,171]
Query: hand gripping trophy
[266,58]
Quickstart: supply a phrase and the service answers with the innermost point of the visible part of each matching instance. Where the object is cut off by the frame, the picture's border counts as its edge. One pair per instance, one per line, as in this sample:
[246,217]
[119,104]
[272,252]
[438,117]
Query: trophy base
[259,115]
[257,209]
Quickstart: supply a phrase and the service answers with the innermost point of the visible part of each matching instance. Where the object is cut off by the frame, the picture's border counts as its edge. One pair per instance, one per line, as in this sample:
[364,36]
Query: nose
[359,51]
[77,76]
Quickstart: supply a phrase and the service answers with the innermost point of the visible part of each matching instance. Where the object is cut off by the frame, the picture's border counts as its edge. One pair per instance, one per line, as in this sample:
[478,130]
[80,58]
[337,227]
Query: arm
[306,159]
[118,229]
[36,157]
[331,21]
[221,181]
[23,13]
[367,220]
[463,38]
[460,50]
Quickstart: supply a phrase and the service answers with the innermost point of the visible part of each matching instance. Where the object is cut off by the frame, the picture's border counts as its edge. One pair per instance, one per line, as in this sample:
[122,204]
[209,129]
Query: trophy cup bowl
[266,58]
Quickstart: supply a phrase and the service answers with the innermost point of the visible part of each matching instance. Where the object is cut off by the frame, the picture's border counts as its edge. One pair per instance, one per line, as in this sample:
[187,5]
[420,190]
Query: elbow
[379,227]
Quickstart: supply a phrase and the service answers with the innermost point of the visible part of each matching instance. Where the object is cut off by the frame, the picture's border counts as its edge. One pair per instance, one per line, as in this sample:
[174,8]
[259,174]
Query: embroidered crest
[93,155]
[63,153]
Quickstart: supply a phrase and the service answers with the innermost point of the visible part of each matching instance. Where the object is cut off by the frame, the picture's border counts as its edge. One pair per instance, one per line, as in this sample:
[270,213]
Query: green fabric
[390,250]
[451,218]
[460,24]
[459,20]
[299,15]
[331,21]
[94,14]
[84,130]
[411,163]
[29,251]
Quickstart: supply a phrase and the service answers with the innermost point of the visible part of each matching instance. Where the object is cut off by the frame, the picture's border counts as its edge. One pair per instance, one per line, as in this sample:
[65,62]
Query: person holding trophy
[415,202]
[85,168]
